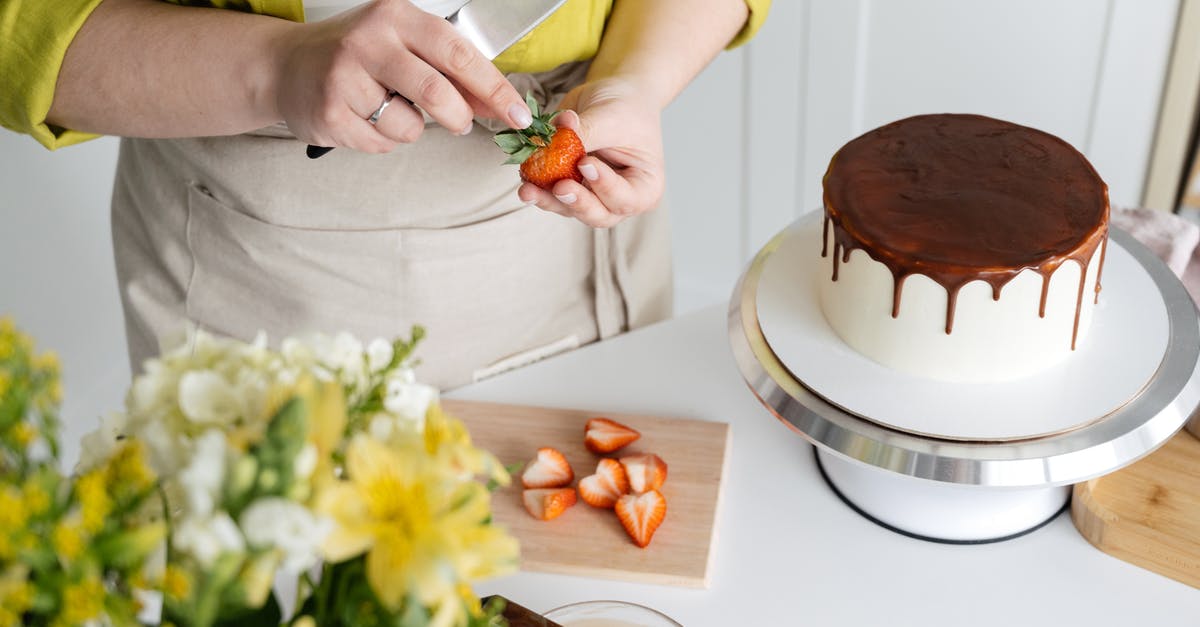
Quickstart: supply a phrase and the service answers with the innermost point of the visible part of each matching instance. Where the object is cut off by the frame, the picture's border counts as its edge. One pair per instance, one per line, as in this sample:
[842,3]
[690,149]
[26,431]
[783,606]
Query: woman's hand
[623,172]
[333,74]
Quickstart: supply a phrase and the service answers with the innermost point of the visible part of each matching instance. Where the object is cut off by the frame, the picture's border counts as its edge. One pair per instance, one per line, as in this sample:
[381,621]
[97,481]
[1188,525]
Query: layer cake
[961,247]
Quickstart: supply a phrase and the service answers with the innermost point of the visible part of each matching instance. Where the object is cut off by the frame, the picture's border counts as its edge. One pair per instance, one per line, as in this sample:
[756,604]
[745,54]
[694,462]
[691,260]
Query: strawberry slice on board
[606,486]
[646,472]
[641,514]
[548,470]
[602,435]
[548,503]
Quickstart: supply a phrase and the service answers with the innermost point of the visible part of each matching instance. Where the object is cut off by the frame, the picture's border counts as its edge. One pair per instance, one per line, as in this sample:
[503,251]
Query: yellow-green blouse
[35,34]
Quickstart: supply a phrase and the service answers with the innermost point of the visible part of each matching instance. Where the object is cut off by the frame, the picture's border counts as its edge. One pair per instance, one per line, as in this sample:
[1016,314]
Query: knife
[492,25]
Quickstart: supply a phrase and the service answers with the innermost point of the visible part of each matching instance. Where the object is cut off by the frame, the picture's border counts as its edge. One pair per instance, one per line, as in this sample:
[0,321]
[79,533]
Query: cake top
[965,193]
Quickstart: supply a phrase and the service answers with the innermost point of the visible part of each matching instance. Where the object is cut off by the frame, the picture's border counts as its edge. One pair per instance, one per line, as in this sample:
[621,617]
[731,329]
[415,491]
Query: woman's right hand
[333,74]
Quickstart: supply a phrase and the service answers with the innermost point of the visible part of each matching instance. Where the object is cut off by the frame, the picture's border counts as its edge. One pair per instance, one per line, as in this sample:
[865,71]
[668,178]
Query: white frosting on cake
[990,340]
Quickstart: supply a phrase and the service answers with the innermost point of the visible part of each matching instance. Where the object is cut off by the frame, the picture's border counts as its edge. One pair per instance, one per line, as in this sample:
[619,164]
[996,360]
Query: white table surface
[788,552]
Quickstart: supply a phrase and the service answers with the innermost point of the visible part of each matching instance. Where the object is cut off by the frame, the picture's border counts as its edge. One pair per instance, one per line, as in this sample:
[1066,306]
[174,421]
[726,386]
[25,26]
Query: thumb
[572,120]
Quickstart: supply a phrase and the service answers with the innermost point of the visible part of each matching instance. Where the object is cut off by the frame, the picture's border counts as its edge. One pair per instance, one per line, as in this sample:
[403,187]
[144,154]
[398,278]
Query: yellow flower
[128,469]
[5,380]
[55,392]
[82,601]
[37,499]
[23,433]
[68,539]
[447,438]
[325,403]
[423,529]
[16,593]
[176,583]
[94,504]
[47,361]
[14,512]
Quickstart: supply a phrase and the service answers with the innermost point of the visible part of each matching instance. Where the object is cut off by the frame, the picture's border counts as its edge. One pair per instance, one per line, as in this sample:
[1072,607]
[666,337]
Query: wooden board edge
[1111,534]
[1089,516]
[711,558]
[599,572]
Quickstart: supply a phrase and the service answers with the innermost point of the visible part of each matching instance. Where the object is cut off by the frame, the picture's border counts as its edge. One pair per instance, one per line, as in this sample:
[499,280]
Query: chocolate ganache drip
[961,198]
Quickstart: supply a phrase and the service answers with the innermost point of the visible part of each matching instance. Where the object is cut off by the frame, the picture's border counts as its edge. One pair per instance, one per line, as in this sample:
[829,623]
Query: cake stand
[946,488]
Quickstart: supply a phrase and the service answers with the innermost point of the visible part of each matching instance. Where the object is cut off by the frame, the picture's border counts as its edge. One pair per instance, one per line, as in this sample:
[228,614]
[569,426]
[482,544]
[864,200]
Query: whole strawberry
[546,154]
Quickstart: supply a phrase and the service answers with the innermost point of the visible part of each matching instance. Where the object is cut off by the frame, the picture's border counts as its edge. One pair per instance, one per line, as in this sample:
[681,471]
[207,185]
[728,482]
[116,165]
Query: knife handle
[316,152]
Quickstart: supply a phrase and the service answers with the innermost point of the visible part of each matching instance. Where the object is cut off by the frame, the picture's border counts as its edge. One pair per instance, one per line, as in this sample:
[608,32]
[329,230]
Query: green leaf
[269,614]
[533,105]
[509,142]
[519,156]
[127,549]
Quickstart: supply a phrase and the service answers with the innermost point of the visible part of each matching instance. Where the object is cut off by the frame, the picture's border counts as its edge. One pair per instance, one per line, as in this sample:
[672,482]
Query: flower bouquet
[317,484]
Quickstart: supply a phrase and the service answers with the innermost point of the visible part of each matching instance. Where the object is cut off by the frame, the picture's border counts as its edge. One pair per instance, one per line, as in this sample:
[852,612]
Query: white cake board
[1106,372]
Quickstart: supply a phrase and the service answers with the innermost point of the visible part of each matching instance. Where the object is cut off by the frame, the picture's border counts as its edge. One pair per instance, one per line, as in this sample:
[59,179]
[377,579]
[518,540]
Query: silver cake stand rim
[1095,449]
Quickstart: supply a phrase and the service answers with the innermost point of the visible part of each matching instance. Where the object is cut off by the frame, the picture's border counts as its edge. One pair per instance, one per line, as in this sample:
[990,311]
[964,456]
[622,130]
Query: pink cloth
[1175,240]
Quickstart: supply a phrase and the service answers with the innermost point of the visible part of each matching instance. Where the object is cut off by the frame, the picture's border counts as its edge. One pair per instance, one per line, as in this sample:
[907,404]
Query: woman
[220,219]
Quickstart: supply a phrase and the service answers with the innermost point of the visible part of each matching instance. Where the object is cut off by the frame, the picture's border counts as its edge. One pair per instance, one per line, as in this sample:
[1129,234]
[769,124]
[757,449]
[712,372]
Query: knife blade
[492,25]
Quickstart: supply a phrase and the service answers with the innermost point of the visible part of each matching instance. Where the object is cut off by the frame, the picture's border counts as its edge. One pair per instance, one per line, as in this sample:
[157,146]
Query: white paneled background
[747,144]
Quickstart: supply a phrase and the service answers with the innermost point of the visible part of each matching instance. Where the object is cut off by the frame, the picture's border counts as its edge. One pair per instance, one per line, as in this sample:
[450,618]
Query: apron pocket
[249,275]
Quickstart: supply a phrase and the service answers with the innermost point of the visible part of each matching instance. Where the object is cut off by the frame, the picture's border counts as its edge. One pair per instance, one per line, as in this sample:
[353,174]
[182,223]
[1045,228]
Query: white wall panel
[1130,87]
[705,142]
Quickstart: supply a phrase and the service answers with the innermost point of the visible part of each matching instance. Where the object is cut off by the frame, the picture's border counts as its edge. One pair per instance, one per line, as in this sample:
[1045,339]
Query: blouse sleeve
[758,15]
[34,36]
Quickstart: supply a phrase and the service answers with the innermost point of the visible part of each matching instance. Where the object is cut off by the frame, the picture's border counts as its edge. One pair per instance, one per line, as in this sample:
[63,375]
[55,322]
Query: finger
[459,60]
[425,86]
[361,135]
[400,121]
[622,193]
[583,205]
[533,195]
[570,119]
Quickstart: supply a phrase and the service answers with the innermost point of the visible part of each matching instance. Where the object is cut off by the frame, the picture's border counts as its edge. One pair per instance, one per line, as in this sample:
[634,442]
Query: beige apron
[241,234]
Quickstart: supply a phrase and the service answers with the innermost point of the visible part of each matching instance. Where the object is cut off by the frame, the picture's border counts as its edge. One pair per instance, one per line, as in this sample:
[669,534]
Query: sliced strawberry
[646,472]
[602,435]
[606,486]
[641,514]
[548,503]
[548,470]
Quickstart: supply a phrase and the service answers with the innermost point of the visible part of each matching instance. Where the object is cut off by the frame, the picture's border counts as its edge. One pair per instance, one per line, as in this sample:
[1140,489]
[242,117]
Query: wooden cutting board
[1149,512]
[591,542]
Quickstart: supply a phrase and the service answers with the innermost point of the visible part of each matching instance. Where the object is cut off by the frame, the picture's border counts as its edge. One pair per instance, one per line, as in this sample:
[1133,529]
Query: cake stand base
[936,511]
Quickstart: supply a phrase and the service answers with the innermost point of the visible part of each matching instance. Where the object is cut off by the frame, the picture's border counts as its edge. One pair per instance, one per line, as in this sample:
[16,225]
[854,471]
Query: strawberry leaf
[533,105]
[509,142]
[520,156]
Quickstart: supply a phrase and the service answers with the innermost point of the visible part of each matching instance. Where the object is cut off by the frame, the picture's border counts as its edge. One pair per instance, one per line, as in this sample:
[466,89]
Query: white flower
[381,426]
[379,354]
[289,527]
[408,400]
[168,450]
[99,445]
[296,352]
[306,461]
[207,538]
[346,353]
[202,478]
[205,397]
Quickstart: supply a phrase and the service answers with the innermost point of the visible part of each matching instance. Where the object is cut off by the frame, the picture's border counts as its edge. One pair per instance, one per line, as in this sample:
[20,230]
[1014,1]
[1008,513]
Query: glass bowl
[609,614]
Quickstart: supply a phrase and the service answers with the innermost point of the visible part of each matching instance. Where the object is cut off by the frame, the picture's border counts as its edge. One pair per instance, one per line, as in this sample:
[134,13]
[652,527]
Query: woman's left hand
[623,171]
